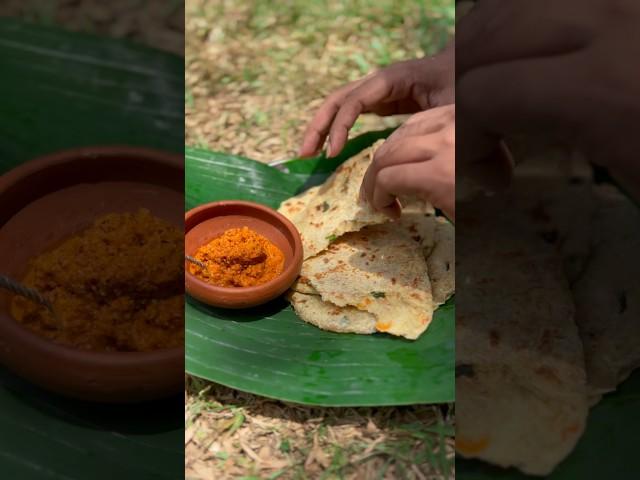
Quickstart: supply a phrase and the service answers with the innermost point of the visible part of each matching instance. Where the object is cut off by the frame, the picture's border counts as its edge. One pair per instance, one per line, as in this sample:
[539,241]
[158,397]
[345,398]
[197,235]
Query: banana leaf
[269,350]
[64,90]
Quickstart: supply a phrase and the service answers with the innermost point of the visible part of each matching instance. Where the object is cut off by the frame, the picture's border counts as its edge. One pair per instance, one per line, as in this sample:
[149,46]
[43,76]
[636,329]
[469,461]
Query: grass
[239,435]
[255,72]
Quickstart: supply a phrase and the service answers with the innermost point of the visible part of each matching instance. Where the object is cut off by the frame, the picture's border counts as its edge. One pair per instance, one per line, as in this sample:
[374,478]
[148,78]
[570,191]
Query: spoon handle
[19,289]
[195,261]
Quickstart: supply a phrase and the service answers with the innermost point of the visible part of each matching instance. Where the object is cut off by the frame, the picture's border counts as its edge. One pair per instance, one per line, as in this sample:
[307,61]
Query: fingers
[498,31]
[384,92]
[419,139]
[318,128]
[521,96]
[366,95]
[406,150]
[432,180]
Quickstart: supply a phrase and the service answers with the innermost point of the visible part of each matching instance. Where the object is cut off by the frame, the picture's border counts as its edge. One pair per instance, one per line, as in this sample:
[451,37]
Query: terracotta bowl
[46,200]
[206,222]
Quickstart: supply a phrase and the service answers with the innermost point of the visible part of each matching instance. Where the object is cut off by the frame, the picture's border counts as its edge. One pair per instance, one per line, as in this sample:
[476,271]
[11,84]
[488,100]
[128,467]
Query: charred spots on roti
[548,339]
[465,370]
[322,207]
[378,294]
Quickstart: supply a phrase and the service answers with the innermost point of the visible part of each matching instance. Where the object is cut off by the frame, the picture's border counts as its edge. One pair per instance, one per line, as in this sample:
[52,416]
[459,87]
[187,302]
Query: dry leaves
[158,24]
[301,442]
[255,78]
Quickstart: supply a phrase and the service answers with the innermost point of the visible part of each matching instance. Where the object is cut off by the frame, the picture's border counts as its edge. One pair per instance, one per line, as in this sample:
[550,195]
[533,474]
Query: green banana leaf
[64,90]
[271,352]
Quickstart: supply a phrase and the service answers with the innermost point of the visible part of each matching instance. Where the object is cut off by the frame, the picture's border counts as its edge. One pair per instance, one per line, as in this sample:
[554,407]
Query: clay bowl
[46,200]
[206,222]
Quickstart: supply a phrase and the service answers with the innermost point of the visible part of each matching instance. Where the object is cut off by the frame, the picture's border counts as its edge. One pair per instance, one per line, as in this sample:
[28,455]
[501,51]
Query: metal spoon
[19,289]
[195,261]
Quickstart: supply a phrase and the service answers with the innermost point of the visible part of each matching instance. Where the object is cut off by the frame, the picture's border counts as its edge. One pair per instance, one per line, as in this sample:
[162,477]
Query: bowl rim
[28,167]
[256,289]
[37,342]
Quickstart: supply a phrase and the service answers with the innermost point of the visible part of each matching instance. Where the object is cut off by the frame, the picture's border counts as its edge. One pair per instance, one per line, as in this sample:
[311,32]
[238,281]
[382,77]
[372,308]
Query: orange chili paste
[240,257]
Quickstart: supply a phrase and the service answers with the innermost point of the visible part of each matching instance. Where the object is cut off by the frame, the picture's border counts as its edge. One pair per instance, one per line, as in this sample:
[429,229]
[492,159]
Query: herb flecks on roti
[328,316]
[363,269]
[379,270]
[322,214]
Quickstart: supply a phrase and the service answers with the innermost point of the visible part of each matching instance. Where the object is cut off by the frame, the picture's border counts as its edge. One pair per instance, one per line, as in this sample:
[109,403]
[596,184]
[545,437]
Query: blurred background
[158,24]
[257,70]
[255,73]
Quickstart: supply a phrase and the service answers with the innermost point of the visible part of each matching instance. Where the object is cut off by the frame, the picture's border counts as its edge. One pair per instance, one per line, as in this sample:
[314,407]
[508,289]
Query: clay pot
[46,200]
[206,222]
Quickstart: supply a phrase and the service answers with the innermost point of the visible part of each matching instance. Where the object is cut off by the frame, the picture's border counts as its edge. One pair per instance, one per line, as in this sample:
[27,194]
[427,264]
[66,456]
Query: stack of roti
[363,273]
[520,388]
[548,317]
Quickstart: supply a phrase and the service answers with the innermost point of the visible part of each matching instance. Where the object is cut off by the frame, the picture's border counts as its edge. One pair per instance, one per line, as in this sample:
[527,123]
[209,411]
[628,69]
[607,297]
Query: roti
[441,261]
[607,295]
[292,207]
[436,236]
[521,382]
[379,270]
[325,315]
[421,227]
[324,213]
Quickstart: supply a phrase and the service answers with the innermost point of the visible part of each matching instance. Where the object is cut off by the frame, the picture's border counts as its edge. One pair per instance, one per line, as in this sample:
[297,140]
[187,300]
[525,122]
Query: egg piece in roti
[324,213]
[312,309]
[379,270]
[607,295]
[521,383]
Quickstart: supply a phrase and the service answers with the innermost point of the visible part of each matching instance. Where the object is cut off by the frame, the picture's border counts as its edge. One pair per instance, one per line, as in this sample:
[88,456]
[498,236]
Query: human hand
[405,87]
[553,67]
[417,159]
